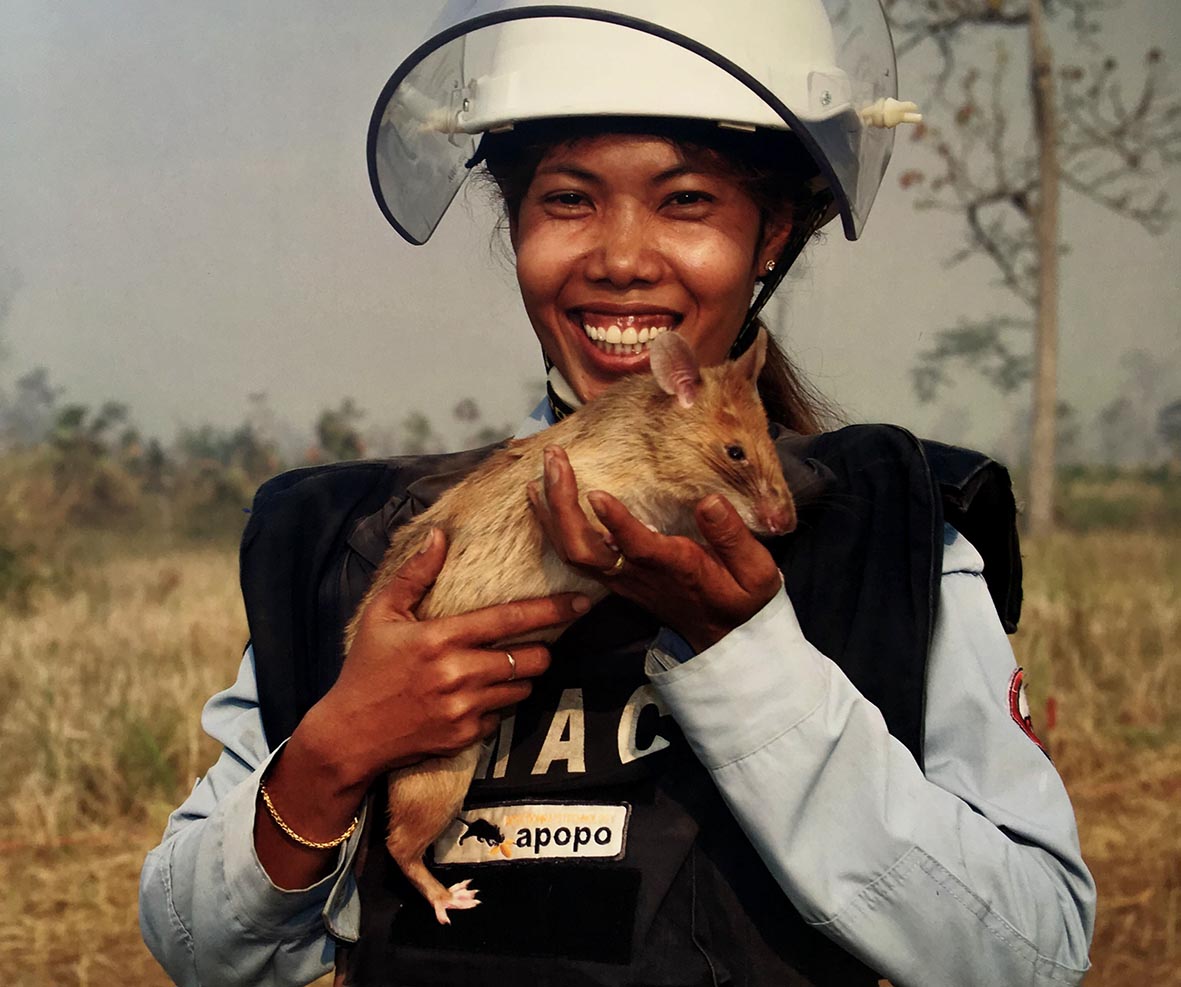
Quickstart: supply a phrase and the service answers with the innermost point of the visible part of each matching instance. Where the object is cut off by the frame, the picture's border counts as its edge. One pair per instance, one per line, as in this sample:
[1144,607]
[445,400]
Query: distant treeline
[68,467]
[71,473]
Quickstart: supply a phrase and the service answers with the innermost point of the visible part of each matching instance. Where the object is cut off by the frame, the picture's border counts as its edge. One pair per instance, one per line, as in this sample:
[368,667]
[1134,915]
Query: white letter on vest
[629,722]
[568,723]
[504,743]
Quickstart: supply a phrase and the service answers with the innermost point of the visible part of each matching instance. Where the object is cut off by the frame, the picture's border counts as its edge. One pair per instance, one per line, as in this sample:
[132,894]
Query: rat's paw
[461,897]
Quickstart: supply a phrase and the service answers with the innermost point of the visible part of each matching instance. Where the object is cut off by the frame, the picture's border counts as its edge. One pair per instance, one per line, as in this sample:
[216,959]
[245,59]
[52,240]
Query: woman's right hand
[408,689]
[413,688]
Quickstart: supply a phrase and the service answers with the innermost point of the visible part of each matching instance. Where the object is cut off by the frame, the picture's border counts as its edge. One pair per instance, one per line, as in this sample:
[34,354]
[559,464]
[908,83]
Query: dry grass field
[102,677]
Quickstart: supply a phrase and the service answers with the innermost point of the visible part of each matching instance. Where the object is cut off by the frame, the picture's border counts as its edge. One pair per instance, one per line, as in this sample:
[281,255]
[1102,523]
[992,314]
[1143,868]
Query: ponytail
[789,398]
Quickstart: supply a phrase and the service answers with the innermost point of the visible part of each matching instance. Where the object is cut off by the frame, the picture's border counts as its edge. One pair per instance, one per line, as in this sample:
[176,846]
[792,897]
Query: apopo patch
[520,832]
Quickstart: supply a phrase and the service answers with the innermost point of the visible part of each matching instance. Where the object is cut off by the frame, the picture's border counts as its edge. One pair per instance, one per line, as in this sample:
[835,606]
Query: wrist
[329,768]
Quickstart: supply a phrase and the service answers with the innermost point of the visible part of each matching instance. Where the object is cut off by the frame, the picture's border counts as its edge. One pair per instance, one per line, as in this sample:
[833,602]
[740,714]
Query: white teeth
[623,340]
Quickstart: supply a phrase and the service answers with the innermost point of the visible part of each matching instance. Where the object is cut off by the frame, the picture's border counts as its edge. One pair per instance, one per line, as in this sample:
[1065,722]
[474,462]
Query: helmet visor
[517,63]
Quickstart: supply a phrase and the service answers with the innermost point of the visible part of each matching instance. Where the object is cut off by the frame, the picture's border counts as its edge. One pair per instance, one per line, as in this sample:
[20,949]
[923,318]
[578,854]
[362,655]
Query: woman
[793,763]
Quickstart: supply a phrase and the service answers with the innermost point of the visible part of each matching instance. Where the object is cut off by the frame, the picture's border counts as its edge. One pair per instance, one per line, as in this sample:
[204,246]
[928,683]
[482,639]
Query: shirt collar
[543,415]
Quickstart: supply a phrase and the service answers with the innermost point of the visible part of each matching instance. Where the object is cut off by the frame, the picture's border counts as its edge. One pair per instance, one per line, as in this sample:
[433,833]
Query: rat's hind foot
[461,897]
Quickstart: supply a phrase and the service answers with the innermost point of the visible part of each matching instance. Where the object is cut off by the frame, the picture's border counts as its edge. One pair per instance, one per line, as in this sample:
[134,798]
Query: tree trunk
[1045,371]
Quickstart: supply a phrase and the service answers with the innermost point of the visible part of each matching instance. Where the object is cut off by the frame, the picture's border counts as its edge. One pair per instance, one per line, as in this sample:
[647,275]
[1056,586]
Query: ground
[103,672]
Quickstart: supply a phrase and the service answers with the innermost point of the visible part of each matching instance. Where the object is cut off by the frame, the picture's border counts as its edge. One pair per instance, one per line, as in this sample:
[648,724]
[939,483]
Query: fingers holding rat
[410,688]
[508,674]
[400,597]
[574,536]
[743,555]
[703,592]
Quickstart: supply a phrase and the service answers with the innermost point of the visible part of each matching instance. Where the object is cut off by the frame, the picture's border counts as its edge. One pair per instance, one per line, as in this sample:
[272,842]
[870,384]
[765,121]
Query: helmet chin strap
[562,399]
[801,232]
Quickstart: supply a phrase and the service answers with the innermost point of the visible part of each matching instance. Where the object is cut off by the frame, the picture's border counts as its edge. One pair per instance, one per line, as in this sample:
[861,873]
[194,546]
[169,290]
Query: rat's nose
[776,516]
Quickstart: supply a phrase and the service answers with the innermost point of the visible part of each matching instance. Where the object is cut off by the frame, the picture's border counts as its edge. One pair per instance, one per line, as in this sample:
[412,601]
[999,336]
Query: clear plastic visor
[429,119]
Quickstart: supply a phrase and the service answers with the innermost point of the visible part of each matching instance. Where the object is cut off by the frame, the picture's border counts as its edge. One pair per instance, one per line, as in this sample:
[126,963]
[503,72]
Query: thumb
[414,577]
[750,564]
[728,535]
[720,523]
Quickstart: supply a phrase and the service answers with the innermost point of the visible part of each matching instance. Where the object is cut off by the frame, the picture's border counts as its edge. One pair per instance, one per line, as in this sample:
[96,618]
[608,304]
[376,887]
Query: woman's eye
[568,199]
[689,198]
[737,453]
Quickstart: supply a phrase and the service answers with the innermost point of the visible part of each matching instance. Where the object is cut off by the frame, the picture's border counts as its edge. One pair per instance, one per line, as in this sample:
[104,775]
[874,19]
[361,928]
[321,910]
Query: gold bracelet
[266,798]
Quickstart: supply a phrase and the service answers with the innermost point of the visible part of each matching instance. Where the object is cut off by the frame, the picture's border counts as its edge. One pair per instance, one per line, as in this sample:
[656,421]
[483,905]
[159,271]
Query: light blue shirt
[965,873]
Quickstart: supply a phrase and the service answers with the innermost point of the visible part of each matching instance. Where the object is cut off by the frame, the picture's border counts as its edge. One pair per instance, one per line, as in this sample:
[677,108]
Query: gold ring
[512,665]
[615,567]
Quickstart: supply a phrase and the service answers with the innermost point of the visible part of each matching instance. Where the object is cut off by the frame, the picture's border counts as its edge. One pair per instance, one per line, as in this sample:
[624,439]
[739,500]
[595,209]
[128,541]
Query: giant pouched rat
[659,443]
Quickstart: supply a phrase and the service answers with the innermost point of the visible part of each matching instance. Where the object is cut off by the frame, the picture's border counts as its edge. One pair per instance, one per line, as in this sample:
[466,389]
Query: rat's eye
[737,453]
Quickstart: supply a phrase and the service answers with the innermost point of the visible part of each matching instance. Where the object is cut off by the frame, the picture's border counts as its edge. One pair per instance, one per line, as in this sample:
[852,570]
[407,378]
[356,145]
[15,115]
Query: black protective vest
[688,901]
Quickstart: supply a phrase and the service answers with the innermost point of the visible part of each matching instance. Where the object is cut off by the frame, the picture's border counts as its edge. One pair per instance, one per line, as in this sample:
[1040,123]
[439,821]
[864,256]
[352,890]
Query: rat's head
[716,435]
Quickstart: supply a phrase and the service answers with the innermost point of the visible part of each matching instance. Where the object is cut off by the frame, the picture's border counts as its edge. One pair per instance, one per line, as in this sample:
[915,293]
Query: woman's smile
[622,237]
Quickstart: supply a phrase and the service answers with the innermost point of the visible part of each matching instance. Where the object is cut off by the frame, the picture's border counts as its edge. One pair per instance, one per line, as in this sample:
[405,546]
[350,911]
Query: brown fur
[497,551]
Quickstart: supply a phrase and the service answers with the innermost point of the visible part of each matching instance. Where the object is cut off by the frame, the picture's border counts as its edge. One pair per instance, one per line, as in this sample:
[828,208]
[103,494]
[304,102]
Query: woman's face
[621,237]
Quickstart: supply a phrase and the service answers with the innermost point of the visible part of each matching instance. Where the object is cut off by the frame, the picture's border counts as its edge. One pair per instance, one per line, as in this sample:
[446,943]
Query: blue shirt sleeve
[969,874]
[208,911]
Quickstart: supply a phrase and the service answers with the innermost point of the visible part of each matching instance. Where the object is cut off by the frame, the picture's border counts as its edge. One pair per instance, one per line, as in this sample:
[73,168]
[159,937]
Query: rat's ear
[750,364]
[675,368]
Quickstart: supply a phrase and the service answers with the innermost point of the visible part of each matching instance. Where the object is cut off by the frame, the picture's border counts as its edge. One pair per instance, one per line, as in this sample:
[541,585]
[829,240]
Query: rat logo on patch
[1019,708]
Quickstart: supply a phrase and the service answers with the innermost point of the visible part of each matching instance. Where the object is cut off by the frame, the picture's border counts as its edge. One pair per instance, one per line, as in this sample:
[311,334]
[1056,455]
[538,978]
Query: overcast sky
[185,207]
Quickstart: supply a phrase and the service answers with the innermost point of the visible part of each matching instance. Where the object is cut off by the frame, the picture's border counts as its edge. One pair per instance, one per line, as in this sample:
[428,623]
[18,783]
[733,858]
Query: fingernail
[580,604]
[597,501]
[713,510]
[551,465]
[427,542]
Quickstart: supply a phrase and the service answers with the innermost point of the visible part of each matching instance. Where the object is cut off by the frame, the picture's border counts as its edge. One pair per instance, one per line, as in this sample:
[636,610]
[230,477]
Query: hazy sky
[184,200]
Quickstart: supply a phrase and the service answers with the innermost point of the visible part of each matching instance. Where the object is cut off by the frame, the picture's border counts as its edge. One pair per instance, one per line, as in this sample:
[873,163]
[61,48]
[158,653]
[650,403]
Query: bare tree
[1088,131]
[337,433]
[1168,427]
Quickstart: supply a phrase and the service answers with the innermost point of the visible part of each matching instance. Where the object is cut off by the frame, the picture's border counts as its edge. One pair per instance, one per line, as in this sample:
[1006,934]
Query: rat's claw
[461,898]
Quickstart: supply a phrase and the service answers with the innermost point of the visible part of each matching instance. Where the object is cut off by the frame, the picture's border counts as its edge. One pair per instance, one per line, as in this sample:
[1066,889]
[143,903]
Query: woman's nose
[626,252]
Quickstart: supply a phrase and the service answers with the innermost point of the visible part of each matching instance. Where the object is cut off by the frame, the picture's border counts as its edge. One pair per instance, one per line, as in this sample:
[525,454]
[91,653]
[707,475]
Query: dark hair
[773,167]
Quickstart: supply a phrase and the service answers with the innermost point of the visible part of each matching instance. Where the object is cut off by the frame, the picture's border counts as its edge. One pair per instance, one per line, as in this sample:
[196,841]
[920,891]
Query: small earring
[770,265]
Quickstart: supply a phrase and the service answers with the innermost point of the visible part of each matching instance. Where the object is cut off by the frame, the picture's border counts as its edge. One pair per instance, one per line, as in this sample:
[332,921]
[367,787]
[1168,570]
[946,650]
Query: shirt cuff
[759,656]
[256,899]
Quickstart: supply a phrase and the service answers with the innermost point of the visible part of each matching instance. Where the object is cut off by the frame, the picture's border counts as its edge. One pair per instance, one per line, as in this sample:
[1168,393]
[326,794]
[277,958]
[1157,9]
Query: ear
[675,368]
[750,364]
[775,235]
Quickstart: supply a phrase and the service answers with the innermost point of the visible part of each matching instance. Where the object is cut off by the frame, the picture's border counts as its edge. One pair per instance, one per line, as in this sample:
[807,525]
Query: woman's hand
[408,689]
[413,688]
[702,592]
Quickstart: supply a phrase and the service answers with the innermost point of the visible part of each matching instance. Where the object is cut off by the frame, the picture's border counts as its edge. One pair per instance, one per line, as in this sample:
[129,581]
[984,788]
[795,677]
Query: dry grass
[100,689]
[1101,636]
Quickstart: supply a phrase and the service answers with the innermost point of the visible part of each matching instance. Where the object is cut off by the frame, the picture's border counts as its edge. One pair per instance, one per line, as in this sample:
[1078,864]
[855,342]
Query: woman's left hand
[702,592]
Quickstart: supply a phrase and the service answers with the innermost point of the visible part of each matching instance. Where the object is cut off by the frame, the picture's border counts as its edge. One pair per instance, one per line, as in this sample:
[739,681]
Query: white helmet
[823,69]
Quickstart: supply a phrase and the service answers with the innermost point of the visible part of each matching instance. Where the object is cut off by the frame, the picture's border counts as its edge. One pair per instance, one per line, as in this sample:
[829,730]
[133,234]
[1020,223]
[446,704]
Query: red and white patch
[1019,708]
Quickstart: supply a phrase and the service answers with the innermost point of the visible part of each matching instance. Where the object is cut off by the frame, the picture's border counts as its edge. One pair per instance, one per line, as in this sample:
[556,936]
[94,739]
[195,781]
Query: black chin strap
[559,407]
[801,232]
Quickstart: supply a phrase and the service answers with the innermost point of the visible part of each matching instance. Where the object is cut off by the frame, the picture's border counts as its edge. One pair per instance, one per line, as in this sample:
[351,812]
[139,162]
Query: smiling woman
[780,761]
[696,217]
